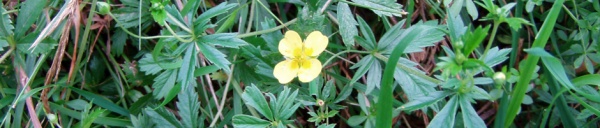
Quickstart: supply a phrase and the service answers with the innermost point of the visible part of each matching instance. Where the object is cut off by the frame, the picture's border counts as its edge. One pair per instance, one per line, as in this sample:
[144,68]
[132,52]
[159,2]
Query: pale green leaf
[162,118]
[254,98]
[390,6]
[445,118]
[224,39]
[470,117]
[347,24]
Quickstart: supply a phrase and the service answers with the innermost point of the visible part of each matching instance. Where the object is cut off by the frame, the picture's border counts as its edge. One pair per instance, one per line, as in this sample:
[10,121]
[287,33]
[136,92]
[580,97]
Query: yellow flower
[300,58]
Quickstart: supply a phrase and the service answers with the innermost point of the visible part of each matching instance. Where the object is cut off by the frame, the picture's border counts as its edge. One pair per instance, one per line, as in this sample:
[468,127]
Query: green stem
[266,8]
[255,33]
[6,54]
[409,70]
[489,45]
[176,36]
[334,55]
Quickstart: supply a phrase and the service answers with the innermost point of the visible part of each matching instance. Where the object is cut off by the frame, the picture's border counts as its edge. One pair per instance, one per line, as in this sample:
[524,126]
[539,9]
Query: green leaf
[472,9]
[473,39]
[28,13]
[6,27]
[527,69]
[417,37]
[3,44]
[119,39]
[445,118]
[164,83]
[159,16]
[205,70]
[217,10]
[88,118]
[347,24]
[215,56]
[189,6]
[189,107]
[101,101]
[553,65]
[186,73]
[363,66]
[254,98]
[390,6]
[245,121]
[515,23]
[354,121]
[367,33]
[224,39]
[148,65]
[162,118]
[470,117]
[109,121]
[591,79]
[43,47]
[425,100]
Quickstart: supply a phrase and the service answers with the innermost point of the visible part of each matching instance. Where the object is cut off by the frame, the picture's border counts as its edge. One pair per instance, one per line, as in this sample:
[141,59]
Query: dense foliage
[299,63]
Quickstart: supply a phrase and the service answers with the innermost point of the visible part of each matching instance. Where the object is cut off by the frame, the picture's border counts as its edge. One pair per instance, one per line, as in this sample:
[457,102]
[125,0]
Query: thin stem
[6,54]
[266,8]
[340,53]
[176,36]
[489,45]
[181,25]
[409,70]
[220,110]
[251,17]
[325,6]
[266,30]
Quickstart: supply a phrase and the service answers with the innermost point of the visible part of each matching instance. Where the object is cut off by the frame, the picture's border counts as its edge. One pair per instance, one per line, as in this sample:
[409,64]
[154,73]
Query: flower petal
[315,43]
[290,44]
[309,70]
[285,71]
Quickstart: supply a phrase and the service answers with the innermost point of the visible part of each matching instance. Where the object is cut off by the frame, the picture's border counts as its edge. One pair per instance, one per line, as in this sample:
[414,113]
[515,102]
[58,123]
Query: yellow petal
[315,43]
[290,44]
[309,70]
[285,71]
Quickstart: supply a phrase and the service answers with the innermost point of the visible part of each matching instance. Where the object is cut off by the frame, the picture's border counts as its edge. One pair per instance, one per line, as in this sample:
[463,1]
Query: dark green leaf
[205,70]
[217,10]
[186,73]
[28,13]
[189,107]
[162,118]
[164,83]
[6,27]
[390,6]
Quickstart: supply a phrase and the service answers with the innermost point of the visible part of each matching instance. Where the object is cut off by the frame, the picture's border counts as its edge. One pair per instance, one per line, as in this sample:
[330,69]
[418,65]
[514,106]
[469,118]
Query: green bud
[52,118]
[499,78]
[460,58]
[103,8]
[459,45]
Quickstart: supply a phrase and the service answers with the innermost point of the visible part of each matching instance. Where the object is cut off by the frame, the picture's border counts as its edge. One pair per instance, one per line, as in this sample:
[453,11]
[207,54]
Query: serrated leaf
[473,39]
[445,118]
[186,73]
[470,117]
[224,39]
[3,44]
[516,23]
[163,83]
[162,118]
[245,121]
[28,13]
[189,107]
[148,65]
[388,5]
[496,56]
[254,98]
[418,36]
[5,22]
[217,10]
[215,56]
[347,24]
[119,39]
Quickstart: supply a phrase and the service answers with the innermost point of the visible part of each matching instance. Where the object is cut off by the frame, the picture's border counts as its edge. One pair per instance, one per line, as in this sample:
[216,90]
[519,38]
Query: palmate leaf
[388,5]
[347,24]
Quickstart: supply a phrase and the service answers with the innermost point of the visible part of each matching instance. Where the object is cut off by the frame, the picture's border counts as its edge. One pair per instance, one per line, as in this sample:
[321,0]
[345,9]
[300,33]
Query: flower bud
[499,78]
[103,8]
[459,45]
[52,118]
[320,102]
[460,58]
